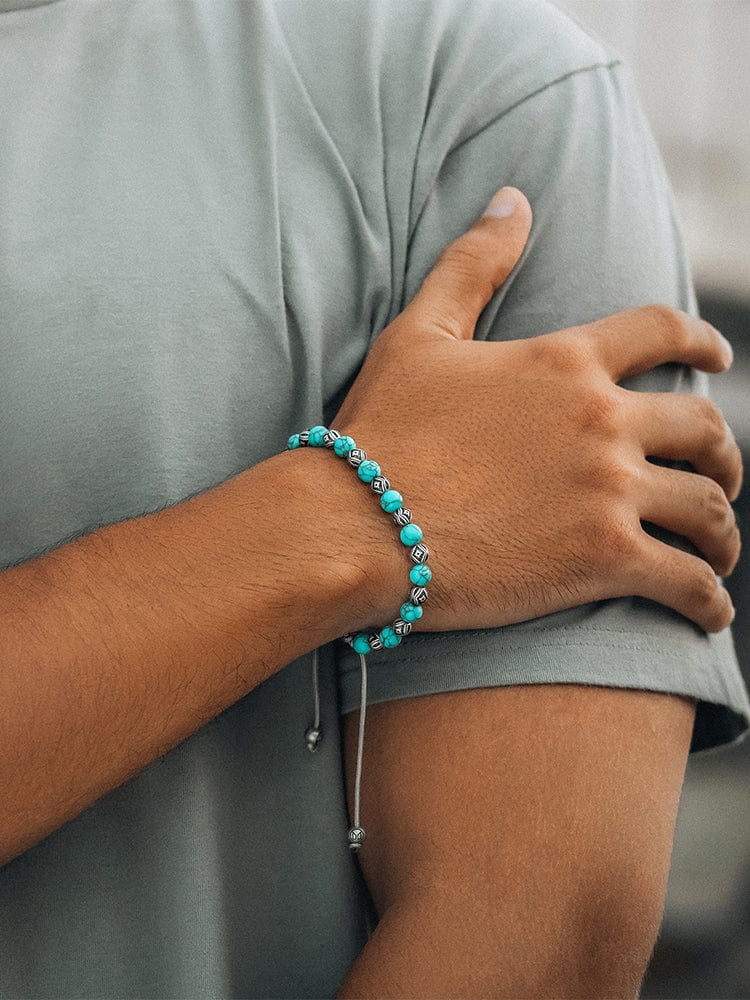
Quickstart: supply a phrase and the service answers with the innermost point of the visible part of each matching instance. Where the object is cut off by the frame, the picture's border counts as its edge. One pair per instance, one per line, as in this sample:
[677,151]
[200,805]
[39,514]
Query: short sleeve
[605,237]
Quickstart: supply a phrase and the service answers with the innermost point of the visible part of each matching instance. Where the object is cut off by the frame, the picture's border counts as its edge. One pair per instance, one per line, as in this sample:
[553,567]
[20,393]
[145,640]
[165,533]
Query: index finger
[637,340]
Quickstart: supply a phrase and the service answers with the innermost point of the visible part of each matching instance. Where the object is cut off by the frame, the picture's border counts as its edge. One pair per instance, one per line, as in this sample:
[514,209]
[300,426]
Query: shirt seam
[534,93]
[492,121]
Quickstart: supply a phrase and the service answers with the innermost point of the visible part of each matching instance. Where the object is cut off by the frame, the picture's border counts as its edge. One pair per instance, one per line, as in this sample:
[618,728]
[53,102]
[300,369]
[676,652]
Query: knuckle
[614,477]
[716,504]
[470,283]
[569,356]
[465,260]
[729,553]
[457,256]
[449,320]
[736,470]
[734,550]
[671,323]
[616,539]
[720,615]
[722,527]
[703,585]
[599,411]
[712,419]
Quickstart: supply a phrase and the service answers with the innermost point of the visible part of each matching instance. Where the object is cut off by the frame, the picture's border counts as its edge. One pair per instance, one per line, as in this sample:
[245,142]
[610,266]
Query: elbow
[614,940]
[590,946]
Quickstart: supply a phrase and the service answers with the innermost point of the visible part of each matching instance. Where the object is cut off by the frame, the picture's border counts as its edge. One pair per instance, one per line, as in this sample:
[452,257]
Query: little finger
[683,582]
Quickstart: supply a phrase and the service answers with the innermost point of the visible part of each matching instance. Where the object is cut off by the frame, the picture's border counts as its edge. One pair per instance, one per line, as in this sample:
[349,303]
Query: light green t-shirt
[208,211]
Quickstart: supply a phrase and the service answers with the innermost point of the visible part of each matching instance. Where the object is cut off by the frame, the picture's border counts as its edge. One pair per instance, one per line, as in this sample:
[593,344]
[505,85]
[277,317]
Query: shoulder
[470,49]
[421,78]
[522,44]
[490,57]
[430,46]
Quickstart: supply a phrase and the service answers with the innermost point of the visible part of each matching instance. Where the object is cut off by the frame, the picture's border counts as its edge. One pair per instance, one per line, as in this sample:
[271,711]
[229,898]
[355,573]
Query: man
[210,212]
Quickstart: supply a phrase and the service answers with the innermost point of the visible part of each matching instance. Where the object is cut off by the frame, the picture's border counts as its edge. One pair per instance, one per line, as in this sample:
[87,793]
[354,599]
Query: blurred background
[691,60]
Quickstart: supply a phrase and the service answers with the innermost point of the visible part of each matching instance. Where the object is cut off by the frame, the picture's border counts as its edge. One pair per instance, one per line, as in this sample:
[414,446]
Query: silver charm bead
[418,595]
[380,484]
[312,738]
[419,553]
[356,456]
[348,638]
[400,627]
[356,837]
[374,641]
[402,516]
[304,438]
[330,438]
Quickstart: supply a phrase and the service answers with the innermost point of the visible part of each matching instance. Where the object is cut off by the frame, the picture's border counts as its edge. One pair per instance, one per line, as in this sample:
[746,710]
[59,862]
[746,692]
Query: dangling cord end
[314,735]
[357,834]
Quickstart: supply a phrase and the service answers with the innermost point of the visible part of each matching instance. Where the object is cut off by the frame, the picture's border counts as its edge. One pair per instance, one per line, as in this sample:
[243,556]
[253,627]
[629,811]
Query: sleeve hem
[722,715]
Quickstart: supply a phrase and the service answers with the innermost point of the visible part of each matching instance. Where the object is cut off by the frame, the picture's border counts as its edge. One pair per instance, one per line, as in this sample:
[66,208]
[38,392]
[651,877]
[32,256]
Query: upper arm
[527,830]
[532,823]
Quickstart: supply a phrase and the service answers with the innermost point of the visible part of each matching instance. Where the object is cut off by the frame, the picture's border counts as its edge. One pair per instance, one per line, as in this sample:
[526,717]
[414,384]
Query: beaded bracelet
[391,635]
[411,534]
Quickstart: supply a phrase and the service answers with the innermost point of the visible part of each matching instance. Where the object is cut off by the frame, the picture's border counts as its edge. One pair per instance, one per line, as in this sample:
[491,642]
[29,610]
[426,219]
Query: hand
[525,463]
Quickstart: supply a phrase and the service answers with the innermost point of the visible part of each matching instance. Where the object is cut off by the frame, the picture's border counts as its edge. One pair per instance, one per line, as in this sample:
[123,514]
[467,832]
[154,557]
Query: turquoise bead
[420,575]
[293,441]
[367,470]
[344,445]
[361,643]
[389,638]
[411,534]
[411,612]
[391,500]
[316,436]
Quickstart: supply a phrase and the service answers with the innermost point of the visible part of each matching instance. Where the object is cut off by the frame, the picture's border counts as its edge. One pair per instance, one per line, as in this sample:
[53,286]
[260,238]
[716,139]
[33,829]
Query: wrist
[353,563]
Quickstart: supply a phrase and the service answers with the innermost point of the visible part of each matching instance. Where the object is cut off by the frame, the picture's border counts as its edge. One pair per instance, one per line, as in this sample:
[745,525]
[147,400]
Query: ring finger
[688,427]
[696,507]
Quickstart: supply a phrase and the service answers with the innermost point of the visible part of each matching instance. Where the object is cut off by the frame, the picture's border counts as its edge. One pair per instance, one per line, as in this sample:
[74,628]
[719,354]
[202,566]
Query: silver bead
[330,438]
[356,836]
[402,516]
[418,595]
[348,638]
[400,627]
[304,438]
[380,484]
[356,456]
[374,641]
[312,738]
[419,553]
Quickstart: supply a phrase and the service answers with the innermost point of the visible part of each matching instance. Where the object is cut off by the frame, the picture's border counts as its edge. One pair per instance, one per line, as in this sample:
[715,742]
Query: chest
[188,269]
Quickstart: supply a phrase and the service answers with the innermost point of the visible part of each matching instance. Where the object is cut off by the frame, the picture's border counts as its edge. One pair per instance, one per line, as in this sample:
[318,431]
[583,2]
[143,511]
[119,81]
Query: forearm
[122,643]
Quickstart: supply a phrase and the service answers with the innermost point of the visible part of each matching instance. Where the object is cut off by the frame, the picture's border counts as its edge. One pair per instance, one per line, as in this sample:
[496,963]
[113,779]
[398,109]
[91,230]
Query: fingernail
[502,205]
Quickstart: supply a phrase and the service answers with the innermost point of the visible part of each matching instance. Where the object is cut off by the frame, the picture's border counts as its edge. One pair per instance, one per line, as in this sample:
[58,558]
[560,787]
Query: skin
[161,622]
[119,645]
[499,426]
[519,838]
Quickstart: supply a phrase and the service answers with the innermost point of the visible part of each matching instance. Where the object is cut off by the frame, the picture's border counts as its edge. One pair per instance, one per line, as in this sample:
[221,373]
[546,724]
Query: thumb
[473,266]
